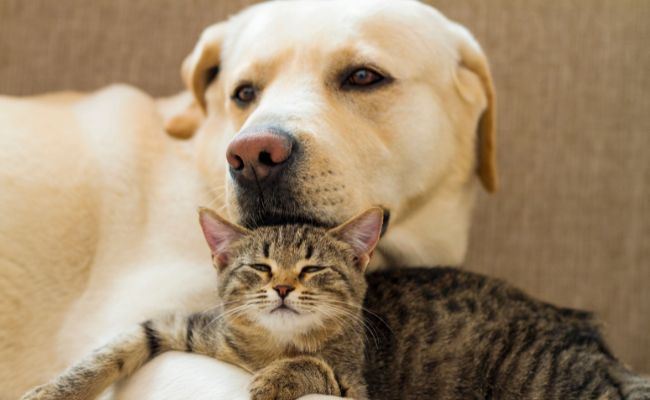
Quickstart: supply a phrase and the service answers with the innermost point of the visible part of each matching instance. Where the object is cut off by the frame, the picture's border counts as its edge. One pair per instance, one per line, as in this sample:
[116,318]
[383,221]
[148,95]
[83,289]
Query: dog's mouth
[274,218]
[284,208]
[295,195]
[279,204]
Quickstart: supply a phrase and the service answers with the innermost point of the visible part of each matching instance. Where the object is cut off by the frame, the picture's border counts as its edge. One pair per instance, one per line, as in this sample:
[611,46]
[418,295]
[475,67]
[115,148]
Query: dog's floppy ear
[199,69]
[183,124]
[473,61]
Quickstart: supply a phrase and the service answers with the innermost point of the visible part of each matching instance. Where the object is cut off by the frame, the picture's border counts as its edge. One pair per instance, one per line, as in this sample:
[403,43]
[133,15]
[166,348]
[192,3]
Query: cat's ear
[362,233]
[220,235]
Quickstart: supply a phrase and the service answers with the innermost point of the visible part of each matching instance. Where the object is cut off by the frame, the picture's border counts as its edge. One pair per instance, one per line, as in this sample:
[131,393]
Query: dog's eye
[261,268]
[310,269]
[244,94]
[362,77]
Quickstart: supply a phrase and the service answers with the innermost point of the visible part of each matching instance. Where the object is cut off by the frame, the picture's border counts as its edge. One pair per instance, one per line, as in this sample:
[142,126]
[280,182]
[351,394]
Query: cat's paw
[293,378]
[264,387]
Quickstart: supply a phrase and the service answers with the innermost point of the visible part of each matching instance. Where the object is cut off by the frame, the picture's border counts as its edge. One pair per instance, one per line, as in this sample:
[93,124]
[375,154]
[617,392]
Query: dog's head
[320,108]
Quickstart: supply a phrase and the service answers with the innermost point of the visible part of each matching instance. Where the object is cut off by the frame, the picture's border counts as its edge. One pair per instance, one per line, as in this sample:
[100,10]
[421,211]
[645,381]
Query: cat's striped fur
[419,334]
[444,333]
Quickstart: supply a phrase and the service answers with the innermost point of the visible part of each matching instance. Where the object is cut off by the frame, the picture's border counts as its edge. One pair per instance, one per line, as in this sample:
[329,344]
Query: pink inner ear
[219,235]
[362,233]
[222,258]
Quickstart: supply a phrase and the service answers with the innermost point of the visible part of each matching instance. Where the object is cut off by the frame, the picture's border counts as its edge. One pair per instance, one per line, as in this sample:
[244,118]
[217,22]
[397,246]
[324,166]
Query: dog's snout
[254,155]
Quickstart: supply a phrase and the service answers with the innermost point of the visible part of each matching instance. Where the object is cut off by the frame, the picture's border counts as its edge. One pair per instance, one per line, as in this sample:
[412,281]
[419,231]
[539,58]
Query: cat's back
[412,292]
[409,291]
[447,333]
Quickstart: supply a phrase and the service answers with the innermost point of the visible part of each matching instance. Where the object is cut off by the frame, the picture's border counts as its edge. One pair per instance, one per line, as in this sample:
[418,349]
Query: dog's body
[98,205]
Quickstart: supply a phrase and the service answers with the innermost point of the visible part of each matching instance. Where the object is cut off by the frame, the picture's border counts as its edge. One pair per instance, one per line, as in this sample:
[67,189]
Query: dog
[295,112]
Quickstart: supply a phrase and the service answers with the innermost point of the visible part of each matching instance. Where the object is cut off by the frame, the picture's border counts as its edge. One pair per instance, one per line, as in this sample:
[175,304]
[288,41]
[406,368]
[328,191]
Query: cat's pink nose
[283,290]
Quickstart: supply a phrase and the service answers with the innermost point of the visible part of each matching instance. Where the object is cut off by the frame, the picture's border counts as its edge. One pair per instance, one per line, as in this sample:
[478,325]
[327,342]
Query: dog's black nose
[256,155]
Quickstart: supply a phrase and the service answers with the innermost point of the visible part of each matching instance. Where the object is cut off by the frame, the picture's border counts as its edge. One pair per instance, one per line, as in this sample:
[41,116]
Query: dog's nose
[254,155]
[283,290]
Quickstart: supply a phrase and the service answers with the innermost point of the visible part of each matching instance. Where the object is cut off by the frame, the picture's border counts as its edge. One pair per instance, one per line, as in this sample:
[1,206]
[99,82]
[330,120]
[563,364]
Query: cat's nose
[283,290]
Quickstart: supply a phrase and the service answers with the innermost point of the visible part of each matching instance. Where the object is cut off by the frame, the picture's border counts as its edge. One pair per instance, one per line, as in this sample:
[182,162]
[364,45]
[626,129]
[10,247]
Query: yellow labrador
[302,111]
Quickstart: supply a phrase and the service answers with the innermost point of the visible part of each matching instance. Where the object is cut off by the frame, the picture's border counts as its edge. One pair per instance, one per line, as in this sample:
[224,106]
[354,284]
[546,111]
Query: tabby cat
[292,312]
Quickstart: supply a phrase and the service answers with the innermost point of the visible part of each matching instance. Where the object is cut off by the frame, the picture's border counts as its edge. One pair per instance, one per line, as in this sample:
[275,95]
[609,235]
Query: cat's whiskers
[345,314]
[222,304]
[355,317]
[306,304]
[226,313]
[261,302]
[335,316]
[235,311]
[362,308]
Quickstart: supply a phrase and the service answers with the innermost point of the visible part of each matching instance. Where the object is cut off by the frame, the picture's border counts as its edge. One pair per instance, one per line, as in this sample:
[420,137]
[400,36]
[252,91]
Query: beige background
[571,223]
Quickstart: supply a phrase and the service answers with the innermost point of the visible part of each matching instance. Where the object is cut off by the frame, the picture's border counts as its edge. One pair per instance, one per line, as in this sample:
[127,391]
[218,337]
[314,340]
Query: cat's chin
[284,323]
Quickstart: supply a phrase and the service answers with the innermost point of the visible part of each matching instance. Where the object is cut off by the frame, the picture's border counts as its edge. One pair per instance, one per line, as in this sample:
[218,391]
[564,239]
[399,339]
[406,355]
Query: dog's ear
[472,65]
[183,124]
[199,69]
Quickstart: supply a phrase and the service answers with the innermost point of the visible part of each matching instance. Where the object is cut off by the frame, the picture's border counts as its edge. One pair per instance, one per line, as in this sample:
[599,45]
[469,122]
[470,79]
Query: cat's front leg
[42,392]
[88,378]
[56,390]
[290,378]
[94,373]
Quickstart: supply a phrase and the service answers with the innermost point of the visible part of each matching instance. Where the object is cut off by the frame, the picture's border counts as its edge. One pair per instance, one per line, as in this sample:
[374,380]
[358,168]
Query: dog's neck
[432,232]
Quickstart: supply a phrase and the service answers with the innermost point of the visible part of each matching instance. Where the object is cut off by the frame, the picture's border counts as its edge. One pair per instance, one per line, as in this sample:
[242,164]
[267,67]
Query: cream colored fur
[98,225]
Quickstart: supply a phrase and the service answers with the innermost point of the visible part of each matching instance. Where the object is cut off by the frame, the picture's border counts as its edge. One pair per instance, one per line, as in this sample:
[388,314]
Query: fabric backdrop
[571,223]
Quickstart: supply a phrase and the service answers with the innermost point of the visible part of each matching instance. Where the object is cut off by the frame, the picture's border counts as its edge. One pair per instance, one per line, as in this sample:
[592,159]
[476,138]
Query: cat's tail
[631,386]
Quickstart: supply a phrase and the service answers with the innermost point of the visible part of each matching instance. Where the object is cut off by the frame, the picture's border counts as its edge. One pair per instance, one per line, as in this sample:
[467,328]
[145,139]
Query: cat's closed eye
[260,267]
[310,269]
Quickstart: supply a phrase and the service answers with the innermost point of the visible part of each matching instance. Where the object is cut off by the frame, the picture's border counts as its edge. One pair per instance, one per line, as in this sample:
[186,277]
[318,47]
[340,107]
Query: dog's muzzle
[263,164]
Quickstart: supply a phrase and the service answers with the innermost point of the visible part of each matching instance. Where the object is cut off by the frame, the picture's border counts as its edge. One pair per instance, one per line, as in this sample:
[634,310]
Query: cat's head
[292,279]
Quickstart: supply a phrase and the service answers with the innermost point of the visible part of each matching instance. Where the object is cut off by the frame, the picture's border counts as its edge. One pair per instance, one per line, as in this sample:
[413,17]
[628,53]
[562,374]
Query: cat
[296,310]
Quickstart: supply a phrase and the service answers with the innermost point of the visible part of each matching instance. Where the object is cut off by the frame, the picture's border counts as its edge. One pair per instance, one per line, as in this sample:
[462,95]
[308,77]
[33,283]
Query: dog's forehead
[269,29]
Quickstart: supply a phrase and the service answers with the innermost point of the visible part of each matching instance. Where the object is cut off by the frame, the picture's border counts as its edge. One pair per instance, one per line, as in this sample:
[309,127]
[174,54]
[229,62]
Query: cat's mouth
[283,308]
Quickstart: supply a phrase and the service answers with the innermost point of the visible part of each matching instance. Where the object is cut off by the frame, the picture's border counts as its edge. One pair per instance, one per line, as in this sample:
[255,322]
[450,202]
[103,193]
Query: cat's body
[293,313]
[444,333]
